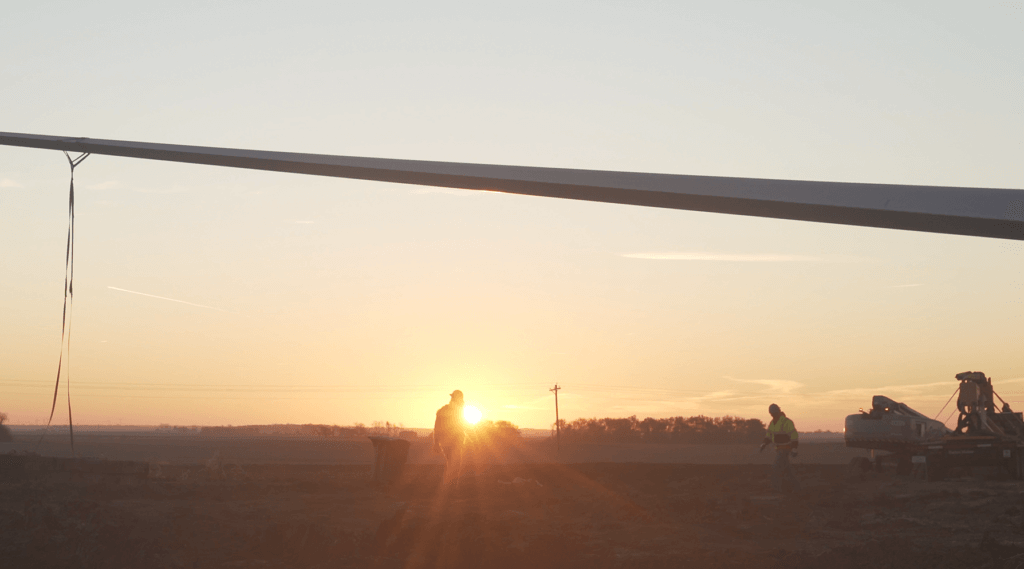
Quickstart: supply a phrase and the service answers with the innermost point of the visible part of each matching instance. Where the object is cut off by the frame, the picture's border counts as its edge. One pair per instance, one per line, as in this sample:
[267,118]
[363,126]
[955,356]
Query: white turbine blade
[981,212]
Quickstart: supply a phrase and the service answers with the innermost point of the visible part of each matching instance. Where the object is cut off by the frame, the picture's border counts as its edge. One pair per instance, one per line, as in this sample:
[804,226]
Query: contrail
[165,298]
[696,256]
[903,286]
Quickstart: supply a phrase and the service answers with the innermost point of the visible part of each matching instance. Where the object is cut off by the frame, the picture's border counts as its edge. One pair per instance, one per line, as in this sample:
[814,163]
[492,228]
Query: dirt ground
[226,513]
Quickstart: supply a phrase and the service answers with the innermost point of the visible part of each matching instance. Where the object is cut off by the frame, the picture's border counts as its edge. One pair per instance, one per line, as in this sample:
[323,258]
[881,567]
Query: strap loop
[69,297]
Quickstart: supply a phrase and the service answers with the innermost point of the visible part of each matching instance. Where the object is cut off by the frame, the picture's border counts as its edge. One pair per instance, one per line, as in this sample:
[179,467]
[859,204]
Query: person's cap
[457,395]
[773,409]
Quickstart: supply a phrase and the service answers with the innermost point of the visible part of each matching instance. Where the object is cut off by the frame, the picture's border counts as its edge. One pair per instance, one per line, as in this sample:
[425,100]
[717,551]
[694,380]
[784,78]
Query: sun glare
[472,414]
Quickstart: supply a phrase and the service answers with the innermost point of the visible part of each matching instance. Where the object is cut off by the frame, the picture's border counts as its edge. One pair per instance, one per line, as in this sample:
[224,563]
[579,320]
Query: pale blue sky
[357,301]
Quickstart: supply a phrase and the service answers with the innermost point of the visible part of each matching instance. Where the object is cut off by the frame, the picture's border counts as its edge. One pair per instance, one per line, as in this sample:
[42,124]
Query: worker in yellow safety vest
[782,432]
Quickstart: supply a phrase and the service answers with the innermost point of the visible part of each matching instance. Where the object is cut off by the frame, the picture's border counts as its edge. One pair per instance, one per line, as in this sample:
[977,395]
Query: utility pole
[558,427]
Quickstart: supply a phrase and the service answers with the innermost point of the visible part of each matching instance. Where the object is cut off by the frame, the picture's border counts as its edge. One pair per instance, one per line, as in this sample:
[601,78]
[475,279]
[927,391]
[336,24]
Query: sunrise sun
[471,414]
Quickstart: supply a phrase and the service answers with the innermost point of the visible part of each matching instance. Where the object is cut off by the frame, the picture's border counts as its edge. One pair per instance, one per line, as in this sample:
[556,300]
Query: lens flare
[472,414]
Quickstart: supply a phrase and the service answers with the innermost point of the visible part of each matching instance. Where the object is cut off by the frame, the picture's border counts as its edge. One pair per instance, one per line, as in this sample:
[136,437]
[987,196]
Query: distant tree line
[680,430]
[494,431]
[179,429]
[492,438]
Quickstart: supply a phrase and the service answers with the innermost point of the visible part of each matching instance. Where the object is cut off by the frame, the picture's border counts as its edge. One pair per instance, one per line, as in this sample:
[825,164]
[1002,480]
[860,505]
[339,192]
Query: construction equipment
[927,448]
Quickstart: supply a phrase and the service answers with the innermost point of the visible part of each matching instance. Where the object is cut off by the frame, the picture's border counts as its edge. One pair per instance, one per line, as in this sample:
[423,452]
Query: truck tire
[904,466]
[936,470]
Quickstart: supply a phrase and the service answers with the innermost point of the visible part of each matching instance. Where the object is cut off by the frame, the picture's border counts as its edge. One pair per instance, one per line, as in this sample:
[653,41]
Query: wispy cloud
[9,183]
[177,189]
[732,257]
[165,298]
[650,408]
[895,390]
[924,397]
[774,385]
[673,403]
[715,396]
[108,185]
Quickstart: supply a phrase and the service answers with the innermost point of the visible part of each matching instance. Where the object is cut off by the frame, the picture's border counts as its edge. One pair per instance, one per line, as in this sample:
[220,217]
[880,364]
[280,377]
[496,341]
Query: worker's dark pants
[783,478]
[452,463]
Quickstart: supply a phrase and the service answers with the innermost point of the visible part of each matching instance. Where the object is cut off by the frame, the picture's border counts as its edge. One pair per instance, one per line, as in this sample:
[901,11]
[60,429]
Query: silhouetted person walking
[782,432]
[450,436]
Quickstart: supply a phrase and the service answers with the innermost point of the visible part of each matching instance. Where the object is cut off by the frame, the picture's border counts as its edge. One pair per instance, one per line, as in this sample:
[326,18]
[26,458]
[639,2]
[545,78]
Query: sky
[211,296]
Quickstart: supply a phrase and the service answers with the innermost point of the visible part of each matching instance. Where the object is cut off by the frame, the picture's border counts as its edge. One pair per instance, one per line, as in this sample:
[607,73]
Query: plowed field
[513,515]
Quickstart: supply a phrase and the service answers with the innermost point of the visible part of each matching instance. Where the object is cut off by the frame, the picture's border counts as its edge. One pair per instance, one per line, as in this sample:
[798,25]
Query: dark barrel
[390,454]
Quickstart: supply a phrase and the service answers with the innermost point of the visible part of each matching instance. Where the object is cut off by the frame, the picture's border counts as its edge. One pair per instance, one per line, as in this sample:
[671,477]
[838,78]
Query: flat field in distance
[156,447]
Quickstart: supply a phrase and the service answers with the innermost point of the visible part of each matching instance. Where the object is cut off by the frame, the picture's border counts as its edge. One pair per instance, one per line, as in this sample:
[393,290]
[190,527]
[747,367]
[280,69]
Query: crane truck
[925,447]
